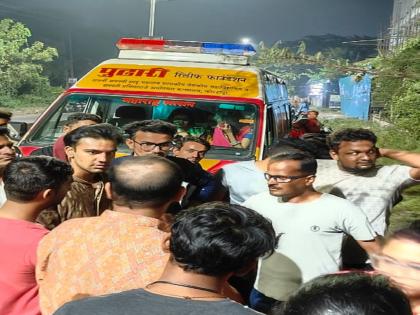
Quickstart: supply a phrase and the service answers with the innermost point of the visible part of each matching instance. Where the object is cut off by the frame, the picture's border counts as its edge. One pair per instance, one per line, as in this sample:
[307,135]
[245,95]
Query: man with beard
[155,137]
[354,175]
[90,150]
[7,155]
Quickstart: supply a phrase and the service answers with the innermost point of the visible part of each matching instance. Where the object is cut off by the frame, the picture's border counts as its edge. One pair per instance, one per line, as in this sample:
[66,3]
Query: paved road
[28,118]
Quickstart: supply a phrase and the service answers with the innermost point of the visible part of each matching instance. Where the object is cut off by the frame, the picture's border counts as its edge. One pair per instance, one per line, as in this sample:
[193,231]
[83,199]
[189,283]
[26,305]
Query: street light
[152,16]
[245,40]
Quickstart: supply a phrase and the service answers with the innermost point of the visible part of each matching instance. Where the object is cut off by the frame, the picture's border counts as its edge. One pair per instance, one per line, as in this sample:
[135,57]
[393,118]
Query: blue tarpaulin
[355,96]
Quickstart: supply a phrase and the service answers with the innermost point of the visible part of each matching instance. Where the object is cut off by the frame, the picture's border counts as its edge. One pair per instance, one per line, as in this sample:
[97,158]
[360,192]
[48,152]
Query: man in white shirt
[7,155]
[311,226]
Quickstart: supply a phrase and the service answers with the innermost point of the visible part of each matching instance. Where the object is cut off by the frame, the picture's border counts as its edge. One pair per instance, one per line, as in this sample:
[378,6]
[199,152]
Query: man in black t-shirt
[207,245]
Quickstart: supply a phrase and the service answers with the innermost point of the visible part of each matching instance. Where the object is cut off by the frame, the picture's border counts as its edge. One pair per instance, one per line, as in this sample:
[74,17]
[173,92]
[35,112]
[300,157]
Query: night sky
[95,25]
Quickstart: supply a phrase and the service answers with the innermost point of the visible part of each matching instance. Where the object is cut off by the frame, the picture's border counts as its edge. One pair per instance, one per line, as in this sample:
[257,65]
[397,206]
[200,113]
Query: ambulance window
[269,135]
[53,126]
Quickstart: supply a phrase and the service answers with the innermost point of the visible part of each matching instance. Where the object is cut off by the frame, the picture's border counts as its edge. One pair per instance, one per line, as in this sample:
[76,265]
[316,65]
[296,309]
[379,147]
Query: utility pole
[152,17]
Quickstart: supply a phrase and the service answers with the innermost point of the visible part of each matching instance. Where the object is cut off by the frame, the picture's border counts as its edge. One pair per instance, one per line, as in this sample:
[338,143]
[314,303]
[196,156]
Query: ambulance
[204,88]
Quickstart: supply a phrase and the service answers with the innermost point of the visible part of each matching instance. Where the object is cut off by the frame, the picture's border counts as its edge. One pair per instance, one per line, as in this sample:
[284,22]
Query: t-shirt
[243,180]
[375,192]
[311,235]
[138,302]
[18,289]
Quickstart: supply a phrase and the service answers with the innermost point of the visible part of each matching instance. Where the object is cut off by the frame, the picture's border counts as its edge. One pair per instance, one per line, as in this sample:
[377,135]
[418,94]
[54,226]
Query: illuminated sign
[168,79]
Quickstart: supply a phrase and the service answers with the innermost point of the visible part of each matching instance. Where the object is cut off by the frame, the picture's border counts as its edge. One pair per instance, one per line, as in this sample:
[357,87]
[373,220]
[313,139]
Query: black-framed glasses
[283,179]
[149,146]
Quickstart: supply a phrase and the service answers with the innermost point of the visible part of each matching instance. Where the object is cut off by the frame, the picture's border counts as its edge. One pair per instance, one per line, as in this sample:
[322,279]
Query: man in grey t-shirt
[207,245]
[311,226]
[355,176]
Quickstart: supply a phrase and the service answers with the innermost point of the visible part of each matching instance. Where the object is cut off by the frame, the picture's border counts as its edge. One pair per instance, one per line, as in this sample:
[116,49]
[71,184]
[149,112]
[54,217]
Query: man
[191,148]
[155,137]
[7,155]
[235,237]
[90,151]
[355,176]
[118,250]
[236,177]
[5,117]
[344,294]
[311,225]
[73,121]
[31,185]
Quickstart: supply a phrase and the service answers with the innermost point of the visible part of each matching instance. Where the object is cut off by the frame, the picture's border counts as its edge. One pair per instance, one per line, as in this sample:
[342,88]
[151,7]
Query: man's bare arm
[409,158]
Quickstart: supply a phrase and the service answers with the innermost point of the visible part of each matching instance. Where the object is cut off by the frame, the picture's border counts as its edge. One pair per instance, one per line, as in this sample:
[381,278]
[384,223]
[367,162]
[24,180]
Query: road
[28,118]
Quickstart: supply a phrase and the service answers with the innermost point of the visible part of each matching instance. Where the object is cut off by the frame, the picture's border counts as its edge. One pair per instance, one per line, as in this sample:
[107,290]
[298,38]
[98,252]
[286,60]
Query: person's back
[30,184]
[119,250]
[191,282]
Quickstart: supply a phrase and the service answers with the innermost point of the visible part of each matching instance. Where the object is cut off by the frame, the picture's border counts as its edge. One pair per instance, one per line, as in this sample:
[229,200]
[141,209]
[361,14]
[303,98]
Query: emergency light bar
[185,46]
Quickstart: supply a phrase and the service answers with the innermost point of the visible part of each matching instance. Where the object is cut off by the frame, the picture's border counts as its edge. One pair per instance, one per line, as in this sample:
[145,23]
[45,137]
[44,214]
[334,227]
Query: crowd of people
[85,232]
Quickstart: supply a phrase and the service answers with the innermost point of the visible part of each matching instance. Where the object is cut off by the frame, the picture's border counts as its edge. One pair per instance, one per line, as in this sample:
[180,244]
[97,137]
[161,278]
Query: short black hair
[5,114]
[217,238]
[144,180]
[179,141]
[76,117]
[26,177]
[350,134]
[99,131]
[4,131]
[308,164]
[151,125]
[346,294]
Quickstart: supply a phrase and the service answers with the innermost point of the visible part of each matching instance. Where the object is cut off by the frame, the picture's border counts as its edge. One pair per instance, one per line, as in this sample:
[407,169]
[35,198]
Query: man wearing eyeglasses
[311,225]
[7,155]
[156,137]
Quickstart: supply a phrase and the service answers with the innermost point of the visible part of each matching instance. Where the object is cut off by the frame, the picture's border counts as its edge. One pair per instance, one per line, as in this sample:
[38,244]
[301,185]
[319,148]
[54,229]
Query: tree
[21,64]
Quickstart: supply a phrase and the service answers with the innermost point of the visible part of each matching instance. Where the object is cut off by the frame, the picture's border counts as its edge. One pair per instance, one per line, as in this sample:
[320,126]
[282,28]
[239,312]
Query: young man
[190,148]
[235,237]
[7,155]
[118,250]
[155,137]
[74,121]
[31,185]
[90,151]
[311,225]
[354,175]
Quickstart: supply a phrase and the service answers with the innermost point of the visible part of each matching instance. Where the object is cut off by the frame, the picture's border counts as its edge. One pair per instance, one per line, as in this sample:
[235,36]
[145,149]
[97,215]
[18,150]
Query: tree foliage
[396,87]
[21,63]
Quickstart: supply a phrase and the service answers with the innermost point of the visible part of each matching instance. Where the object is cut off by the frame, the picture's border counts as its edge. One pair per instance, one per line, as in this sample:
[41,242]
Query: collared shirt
[99,255]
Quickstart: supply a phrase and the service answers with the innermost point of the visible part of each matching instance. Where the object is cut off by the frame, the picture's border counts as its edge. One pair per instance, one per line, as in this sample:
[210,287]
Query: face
[312,115]
[7,152]
[145,143]
[78,124]
[400,260]
[356,155]
[4,122]
[295,187]
[91,155]
[192,151]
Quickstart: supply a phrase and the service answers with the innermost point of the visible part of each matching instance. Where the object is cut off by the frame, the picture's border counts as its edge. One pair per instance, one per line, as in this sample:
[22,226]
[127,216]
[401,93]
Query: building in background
[405,25]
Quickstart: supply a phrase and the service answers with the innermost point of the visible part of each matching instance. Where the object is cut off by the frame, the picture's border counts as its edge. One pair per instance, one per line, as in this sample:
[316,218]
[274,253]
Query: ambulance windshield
[228,127]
